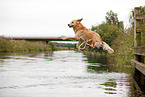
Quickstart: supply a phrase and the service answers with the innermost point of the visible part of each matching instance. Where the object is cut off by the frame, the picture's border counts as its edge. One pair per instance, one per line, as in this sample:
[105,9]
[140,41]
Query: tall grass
[123,46]
[7,45]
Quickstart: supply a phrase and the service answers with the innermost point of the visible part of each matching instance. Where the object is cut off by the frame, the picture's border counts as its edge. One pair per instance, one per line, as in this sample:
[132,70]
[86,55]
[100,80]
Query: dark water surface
[60,74]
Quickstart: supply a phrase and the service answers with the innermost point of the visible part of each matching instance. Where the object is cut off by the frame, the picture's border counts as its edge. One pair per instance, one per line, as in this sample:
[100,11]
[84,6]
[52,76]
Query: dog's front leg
[81,41]
[85,47]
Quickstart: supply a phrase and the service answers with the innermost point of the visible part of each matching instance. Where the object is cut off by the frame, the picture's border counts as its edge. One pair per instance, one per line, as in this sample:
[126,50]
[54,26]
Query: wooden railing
[139,51]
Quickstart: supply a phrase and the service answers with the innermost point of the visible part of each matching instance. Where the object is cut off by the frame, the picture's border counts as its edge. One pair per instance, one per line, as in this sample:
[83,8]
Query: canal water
[60,74]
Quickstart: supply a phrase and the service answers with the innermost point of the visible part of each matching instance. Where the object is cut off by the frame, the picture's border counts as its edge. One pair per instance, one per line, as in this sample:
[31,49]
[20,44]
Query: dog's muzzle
[70,26]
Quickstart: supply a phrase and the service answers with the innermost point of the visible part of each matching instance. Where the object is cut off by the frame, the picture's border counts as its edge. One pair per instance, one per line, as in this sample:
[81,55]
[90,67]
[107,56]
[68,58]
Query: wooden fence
[139,52]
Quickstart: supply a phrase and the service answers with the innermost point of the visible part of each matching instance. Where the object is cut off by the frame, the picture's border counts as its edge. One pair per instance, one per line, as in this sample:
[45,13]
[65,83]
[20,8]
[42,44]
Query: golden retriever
[87,36]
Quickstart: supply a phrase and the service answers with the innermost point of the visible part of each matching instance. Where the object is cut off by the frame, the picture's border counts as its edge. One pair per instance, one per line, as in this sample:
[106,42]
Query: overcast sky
[50,17]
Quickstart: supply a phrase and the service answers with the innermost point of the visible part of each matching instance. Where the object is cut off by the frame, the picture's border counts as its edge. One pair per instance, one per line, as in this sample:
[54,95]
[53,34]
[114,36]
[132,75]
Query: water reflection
[111,84]
[61,74]
[97,68]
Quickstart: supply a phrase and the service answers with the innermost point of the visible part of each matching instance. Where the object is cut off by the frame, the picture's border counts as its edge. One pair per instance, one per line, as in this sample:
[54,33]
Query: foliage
[123,45]
[7,45]
[107,32]
[112,18]
[69,45]
[52,45]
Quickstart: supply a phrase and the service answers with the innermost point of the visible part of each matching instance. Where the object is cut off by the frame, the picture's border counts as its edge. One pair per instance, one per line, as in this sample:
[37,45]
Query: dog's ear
[79,20]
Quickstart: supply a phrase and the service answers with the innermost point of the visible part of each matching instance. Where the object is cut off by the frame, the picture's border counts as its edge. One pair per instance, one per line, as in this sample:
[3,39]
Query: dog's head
[75,22]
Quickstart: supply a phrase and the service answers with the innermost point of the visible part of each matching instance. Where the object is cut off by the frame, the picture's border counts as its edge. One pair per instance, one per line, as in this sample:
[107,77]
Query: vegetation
[123,45]
[65,46]
[121,40]
[108,32]
[68,45]
[112,18]
[7,45]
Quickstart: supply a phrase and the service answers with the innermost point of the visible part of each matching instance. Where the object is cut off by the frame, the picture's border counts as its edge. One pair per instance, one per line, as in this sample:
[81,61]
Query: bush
[108,32]
[7,45]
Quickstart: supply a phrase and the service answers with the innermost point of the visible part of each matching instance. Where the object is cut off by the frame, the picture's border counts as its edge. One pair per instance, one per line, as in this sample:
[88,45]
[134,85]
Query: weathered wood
[137,11]
[140,29]
[136,24]
[140,17]
[138,38]
[135,43]
[144,59]
[139,50]
[137,91]
[139,59]
[142,81]
[138,65]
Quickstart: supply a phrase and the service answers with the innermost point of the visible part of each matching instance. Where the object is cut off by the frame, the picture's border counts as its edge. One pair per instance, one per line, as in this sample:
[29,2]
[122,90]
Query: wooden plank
[140,29]
[135,11]
[138,38]
[140,50]
[140,17]
[138,65]
[137,90]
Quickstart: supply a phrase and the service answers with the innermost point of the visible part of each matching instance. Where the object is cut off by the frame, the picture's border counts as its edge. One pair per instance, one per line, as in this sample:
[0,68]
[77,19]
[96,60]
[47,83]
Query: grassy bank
[123,47]
[7,45]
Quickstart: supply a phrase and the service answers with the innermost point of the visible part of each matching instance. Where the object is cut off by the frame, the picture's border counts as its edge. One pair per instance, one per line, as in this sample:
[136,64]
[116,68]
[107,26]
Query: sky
[50,18]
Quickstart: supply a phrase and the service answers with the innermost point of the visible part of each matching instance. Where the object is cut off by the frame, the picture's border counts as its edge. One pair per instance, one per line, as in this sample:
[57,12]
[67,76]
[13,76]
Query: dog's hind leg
[85,47]
[81,41]
[92,45]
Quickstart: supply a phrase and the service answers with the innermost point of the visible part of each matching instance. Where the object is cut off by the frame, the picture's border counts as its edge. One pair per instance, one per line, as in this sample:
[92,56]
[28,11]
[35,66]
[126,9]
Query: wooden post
[136,24]
[137,35]
[143,76]
[47,42]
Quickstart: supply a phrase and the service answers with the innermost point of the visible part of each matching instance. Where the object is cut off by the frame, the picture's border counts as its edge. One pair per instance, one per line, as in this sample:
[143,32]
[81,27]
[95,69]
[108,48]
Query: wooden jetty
[139,53]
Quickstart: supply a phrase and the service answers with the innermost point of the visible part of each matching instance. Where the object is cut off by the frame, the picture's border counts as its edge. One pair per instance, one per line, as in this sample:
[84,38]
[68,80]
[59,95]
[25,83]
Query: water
[60,74]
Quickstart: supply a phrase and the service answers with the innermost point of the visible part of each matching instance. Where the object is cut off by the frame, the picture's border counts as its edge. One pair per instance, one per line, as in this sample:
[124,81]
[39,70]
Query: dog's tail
[107,47]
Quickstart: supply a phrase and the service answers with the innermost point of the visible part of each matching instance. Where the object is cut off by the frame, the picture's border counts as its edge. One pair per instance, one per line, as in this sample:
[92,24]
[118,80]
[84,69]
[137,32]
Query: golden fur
[86,36]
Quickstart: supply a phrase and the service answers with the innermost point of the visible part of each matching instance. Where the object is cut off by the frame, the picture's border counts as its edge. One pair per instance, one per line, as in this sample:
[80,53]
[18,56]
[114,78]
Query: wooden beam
[140,50]
[140,17]
[140,29]
[138,38]
[136,24]
[138,65]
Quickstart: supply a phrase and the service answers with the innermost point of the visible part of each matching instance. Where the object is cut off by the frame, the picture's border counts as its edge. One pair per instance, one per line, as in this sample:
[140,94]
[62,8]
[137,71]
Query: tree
[112,18]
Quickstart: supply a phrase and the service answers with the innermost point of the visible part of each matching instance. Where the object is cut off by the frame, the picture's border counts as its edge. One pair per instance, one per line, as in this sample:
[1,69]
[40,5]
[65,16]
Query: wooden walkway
[139,53]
